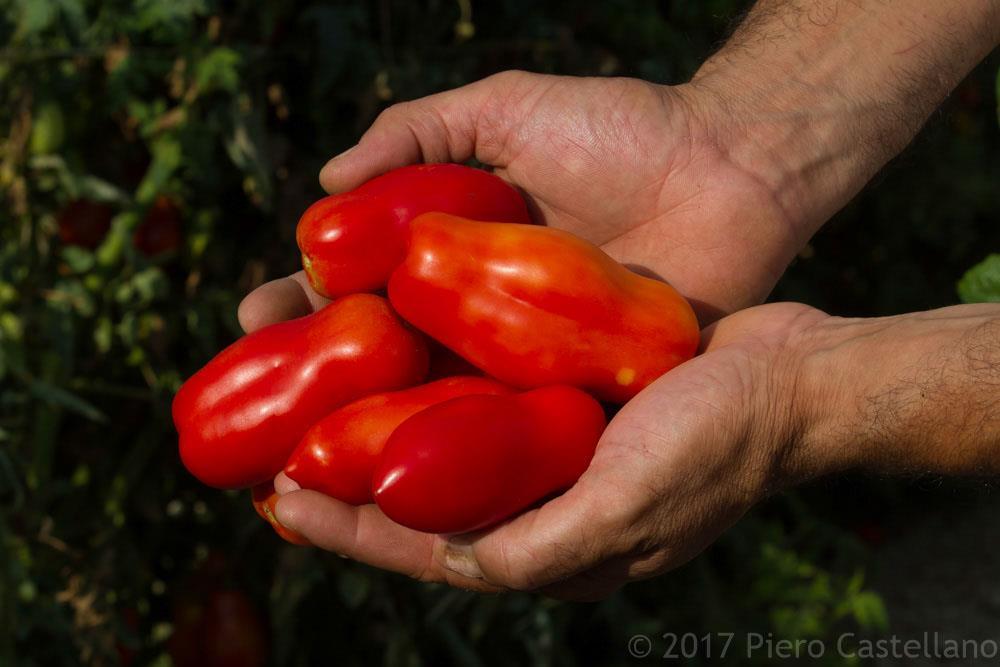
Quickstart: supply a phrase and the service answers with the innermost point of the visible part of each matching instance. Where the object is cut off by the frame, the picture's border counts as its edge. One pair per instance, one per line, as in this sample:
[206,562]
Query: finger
[563,538]
[279,300]
[607,578]
[452,126]
[284,484]
[365,534]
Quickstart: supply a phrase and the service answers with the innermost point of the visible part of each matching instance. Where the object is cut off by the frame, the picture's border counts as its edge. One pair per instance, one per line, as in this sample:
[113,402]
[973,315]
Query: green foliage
[228,110]
[981,283]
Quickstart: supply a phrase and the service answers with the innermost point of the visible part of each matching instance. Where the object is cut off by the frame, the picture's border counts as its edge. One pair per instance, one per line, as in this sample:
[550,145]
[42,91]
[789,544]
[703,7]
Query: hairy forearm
[821,93]
[913,393]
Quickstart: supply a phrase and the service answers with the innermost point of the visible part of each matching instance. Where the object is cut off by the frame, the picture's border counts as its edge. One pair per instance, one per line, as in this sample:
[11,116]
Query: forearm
[821,93]
[914,393]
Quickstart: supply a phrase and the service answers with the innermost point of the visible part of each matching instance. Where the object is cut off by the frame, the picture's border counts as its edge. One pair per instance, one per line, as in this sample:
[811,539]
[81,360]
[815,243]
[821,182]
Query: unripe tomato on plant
[241,415]
[338,454]
[534,306]
[473,461]
[351,242]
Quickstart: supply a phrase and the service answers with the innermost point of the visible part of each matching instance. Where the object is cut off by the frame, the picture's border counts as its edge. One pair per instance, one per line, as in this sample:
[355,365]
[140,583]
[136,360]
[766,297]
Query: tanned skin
[713,185]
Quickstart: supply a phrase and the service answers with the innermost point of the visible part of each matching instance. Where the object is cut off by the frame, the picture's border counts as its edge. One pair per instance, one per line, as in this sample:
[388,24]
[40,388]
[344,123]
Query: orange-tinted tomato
[534,306]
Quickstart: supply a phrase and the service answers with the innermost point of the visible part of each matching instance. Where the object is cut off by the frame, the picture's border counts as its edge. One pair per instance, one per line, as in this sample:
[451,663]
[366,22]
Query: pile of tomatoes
[460,373]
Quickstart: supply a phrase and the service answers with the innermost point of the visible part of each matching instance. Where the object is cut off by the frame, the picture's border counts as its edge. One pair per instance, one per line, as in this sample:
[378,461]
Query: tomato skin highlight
[264,498]
[351,242]
[241,415]
[337,456]
[473,461]
[534,306]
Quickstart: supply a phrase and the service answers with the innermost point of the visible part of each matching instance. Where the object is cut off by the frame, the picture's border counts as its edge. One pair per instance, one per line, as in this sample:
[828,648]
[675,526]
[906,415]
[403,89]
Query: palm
[632,167]
[671,472]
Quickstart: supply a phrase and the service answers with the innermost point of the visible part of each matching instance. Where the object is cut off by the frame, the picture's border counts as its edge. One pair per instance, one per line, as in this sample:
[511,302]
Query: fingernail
[284,484]
[285,516]
[460,559]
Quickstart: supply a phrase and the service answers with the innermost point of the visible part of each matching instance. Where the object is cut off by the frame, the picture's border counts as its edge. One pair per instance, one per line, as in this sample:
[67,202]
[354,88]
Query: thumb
[452,126]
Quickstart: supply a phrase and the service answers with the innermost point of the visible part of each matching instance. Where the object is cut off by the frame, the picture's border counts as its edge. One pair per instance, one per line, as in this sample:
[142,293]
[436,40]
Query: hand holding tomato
[633,167]
[676,466]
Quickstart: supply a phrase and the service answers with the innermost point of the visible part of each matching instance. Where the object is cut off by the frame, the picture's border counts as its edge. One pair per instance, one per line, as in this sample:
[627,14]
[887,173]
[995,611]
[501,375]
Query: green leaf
[79,260]
[245,146]
[103,334]
[111,249]
[869,611]
[54,395]
[74,14]
[155,13]
[219,70]
[167,156]
[48,129]
[981,283]
[36,16]
[98,189]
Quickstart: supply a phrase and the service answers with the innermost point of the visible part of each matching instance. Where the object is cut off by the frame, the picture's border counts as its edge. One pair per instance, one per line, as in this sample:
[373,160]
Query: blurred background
[154,158]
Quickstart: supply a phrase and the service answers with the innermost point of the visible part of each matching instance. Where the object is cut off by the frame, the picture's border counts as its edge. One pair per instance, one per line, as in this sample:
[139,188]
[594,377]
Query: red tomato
[241,415]
[264,498]
[160,230]
[84,223]
[221,629]
[470,462]
[337,455]
[351,242]
[534,306]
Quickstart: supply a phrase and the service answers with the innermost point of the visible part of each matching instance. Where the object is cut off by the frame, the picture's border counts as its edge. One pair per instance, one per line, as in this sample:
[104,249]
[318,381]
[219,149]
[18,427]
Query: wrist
[914,393]
[816,96]
[802,148]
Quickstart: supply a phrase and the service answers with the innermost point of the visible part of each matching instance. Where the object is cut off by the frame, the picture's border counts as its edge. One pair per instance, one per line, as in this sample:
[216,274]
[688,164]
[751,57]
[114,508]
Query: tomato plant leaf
[55,395]
[981,283]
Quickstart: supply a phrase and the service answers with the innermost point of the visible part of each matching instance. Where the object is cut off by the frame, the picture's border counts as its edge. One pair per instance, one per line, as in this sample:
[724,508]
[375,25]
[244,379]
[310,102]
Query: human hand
[631,166]
[676,466]
[781,393]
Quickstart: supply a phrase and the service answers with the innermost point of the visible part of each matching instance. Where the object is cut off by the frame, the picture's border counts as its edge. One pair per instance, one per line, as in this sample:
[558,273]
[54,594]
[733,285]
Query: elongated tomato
[351,242]
[338,454]
[241,415]
[534,306]
[470,462]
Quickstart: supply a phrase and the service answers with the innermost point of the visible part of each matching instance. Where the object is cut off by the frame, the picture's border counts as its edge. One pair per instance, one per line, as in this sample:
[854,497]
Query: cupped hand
[677,466]
[637,168]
